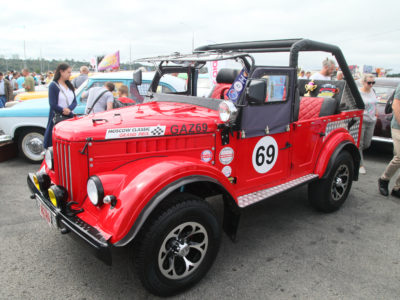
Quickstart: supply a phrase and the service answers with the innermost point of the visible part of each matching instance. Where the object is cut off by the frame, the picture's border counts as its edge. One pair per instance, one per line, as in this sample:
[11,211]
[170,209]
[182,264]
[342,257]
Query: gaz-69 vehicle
[141,175]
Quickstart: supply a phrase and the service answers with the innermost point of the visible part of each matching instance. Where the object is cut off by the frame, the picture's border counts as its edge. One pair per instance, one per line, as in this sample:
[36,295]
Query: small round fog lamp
[58,196]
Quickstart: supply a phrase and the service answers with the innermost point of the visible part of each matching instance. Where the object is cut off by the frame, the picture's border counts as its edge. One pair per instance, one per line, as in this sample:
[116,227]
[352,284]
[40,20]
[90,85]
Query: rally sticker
[119,133]
[265,154]
[206,155]
[227,171]
[226,155]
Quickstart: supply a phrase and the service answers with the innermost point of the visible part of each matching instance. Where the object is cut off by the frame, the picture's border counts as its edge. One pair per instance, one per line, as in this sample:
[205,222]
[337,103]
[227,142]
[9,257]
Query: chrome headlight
[227,112]
[95,190]
[48,158]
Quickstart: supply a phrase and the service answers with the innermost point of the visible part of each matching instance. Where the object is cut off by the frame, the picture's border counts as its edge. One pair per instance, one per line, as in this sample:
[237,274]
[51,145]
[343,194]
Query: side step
[252,198]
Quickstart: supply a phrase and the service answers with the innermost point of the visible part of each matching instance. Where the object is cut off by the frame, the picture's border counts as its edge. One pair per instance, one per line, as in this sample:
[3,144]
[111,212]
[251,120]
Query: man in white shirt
[103,95]
[328,67]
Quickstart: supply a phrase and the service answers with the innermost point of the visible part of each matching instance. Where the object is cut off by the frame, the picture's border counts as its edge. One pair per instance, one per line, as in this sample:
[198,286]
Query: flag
[238,85]
[110,61]
[93,63]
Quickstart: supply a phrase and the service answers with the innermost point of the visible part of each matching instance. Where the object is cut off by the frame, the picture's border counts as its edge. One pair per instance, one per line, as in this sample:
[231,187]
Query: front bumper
[5,138]
[81,231]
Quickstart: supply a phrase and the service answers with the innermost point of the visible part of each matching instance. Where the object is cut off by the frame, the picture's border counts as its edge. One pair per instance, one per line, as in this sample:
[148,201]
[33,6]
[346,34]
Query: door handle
[288,145]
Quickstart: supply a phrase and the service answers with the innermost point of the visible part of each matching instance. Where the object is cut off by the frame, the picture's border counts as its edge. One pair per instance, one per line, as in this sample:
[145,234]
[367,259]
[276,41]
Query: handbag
[58,117]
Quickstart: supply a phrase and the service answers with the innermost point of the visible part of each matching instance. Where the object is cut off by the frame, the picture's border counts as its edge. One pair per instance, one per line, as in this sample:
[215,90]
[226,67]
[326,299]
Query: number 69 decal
[265,154]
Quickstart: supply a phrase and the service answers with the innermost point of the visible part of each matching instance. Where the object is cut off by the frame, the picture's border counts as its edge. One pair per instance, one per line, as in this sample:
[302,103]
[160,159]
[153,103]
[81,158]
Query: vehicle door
[264,146]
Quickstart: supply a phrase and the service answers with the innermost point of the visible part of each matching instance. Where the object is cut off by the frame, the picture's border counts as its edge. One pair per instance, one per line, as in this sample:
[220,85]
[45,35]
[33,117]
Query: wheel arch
[19,130]
[199,185]
[354,152]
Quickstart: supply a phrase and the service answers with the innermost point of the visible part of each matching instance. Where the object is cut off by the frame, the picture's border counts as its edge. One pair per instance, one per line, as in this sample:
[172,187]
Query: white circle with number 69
[265,154]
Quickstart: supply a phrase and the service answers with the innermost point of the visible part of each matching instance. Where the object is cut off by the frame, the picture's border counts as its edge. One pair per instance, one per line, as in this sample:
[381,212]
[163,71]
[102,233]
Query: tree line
[44,65]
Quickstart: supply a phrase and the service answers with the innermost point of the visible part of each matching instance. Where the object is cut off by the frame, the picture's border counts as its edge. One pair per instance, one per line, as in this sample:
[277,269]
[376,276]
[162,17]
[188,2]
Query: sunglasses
[370,82]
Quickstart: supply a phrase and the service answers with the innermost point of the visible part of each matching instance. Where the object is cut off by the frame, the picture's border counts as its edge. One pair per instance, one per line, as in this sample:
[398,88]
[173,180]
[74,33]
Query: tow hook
[64,230]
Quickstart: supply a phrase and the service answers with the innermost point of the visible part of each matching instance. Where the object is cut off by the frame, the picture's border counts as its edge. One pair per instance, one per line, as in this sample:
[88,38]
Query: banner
[238,86]
[213,68]
[93,63]
[110,61]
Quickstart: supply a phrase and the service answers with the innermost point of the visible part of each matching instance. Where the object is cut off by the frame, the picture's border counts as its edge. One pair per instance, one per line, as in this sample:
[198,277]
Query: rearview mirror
[137,77]
[256,91]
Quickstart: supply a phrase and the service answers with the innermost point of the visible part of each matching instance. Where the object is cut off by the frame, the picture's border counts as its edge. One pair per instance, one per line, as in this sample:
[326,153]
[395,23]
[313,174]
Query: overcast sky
[368,32]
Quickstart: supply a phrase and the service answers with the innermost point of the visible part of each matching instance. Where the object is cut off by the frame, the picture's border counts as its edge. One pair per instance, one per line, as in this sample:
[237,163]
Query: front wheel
[328,195]
[30,144]
[178,247]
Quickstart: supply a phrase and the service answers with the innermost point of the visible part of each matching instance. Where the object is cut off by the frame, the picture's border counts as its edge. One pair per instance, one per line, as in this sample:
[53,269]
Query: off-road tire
[168,231]
[328,195]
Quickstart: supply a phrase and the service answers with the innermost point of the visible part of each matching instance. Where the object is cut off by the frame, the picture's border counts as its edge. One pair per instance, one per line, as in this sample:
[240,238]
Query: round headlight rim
[99,188]
[232,111]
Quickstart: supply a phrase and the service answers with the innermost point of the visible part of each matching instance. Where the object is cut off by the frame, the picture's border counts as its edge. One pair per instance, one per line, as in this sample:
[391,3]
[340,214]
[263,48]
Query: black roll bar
[294,46]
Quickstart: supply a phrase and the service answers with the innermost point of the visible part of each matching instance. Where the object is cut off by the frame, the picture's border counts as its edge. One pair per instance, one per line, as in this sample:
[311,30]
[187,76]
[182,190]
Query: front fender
[10,125]
[340,140]
[141,185]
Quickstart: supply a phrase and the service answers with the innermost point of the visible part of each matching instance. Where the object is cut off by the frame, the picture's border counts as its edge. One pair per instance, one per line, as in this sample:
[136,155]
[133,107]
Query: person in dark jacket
[6,92]
[62,99]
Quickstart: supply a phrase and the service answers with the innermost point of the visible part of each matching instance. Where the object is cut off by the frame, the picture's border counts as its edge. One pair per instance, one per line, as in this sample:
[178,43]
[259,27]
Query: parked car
[25,122]
[384,88]
[41,91]
[140,176]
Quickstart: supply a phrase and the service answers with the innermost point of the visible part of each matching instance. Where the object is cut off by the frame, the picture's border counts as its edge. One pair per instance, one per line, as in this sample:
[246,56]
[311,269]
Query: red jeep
[140,175]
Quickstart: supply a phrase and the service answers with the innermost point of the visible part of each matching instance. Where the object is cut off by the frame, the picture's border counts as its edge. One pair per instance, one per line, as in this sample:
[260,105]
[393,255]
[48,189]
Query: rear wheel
[329,194]
[30,144]
[178,247]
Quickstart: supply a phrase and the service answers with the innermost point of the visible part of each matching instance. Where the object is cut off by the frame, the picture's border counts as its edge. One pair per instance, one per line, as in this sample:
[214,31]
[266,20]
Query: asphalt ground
[285,249]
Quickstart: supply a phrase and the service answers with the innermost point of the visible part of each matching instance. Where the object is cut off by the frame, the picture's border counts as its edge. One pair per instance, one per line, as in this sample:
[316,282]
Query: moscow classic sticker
[206,155]
[120,133]
[226,155]
[227,171]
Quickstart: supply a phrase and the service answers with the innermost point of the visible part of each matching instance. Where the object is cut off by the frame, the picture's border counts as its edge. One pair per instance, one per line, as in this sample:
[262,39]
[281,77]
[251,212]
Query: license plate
[47,215]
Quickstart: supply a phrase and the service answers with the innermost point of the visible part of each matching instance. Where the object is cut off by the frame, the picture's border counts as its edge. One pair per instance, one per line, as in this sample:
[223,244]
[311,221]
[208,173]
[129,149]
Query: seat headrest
[227,75]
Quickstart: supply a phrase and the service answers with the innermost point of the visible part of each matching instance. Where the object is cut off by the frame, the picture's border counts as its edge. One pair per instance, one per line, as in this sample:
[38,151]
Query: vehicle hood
[31,108]
[144,120]
[32,95]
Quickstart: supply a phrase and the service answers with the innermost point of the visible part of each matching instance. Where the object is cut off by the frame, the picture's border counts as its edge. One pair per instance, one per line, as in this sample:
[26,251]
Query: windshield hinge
[88,140]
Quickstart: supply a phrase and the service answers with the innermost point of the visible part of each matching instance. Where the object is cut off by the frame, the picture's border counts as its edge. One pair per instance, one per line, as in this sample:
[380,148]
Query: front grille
[63,166]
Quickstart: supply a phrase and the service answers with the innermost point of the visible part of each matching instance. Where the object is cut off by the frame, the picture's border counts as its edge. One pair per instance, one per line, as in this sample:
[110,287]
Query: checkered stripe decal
[331,126]
[157,131]
[251,198]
